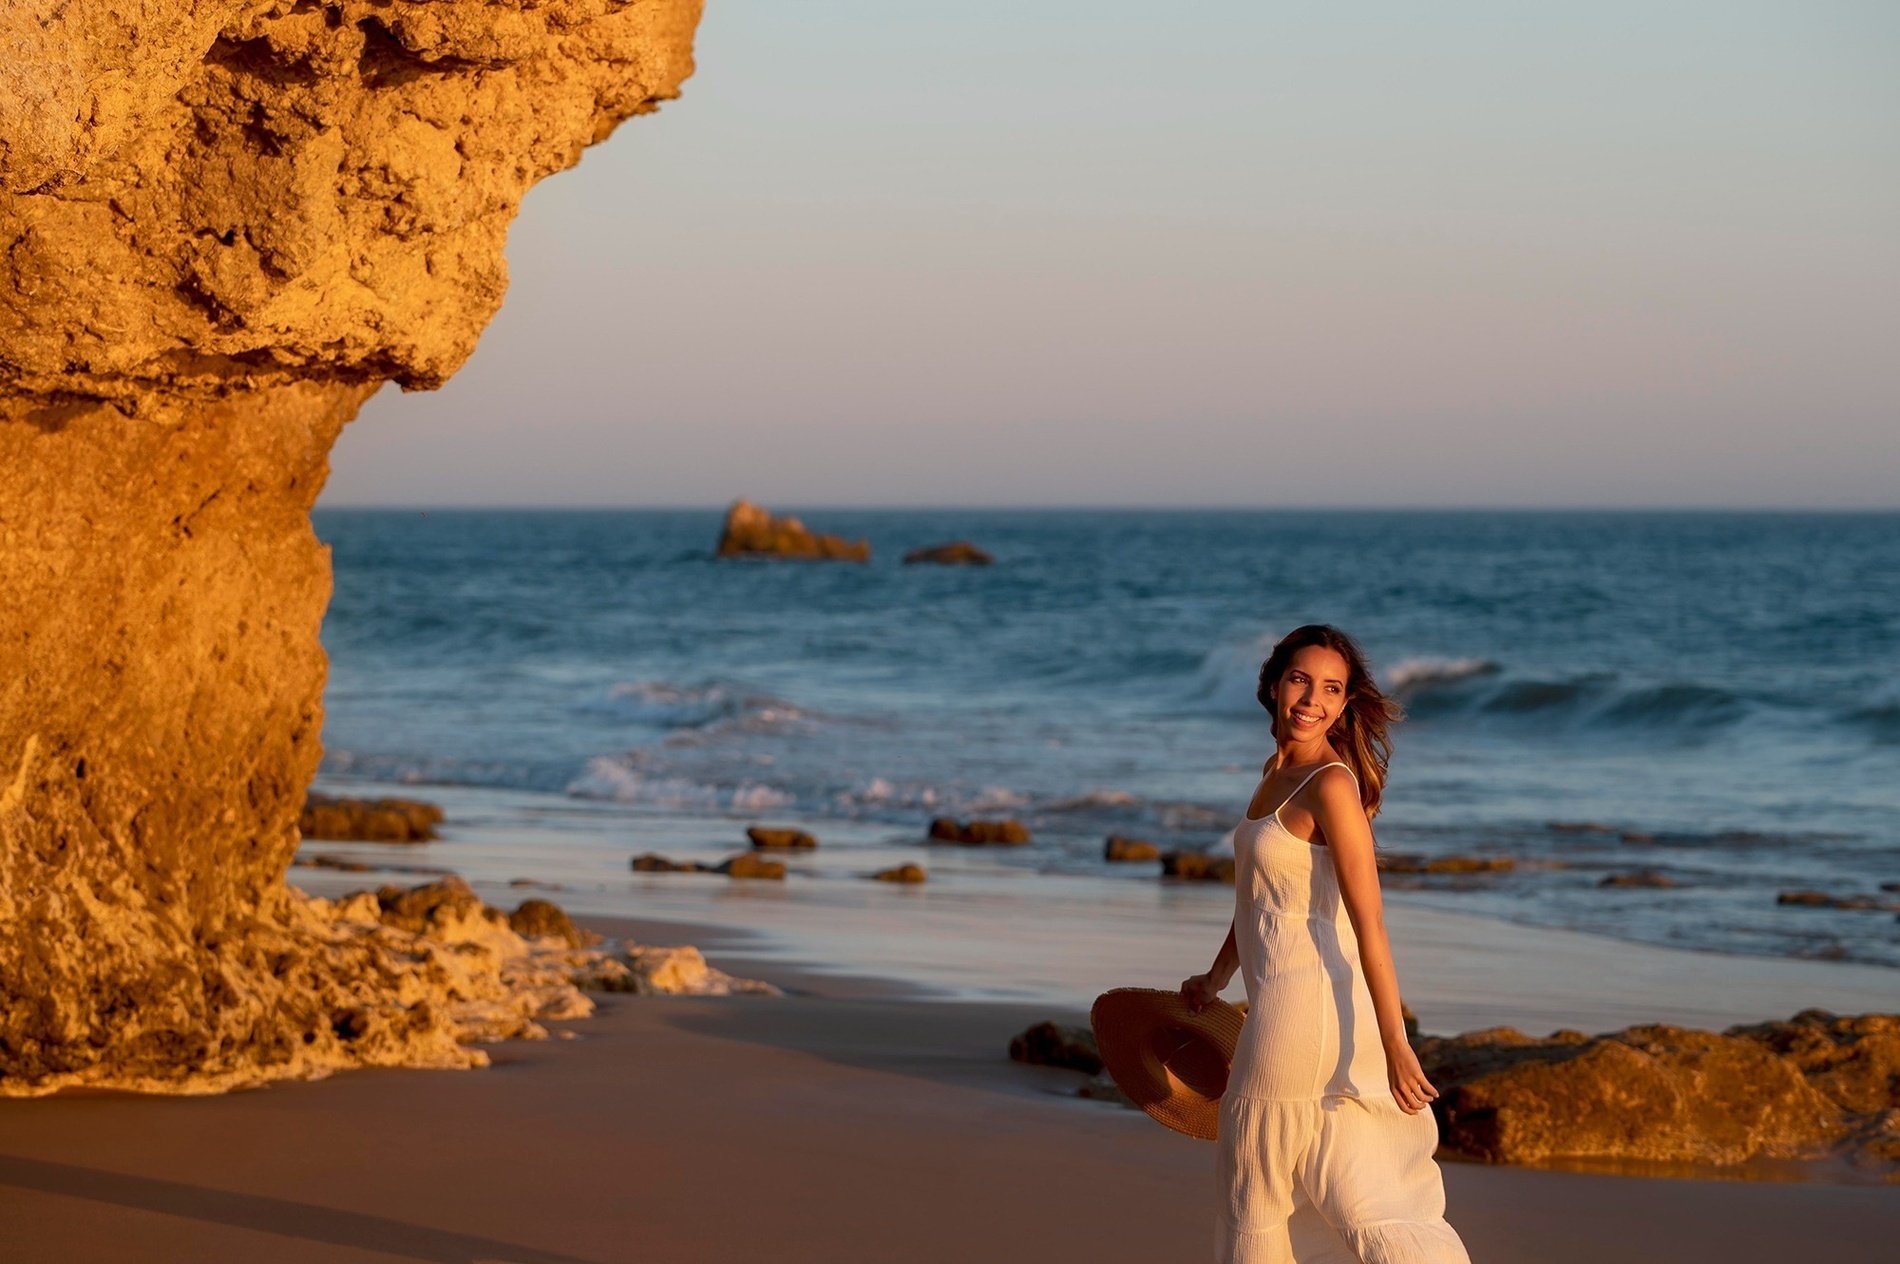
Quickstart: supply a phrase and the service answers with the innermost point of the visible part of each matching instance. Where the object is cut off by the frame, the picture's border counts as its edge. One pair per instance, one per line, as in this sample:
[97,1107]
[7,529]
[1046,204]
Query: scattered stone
[1815,1085]
[1197,866]
[646,970]
[955,553]
[751,865]
[652,862]
[1821,899]
[751,531]
[780,838]
[1118,849]
[539,919]
[1639,878]
[978,833]
[1408,862]
[368,820]
[1056,1045]
[901,873]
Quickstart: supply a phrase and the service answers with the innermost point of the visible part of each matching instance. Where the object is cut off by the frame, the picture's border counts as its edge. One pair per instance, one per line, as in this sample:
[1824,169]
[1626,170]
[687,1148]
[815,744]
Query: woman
[1325,1140]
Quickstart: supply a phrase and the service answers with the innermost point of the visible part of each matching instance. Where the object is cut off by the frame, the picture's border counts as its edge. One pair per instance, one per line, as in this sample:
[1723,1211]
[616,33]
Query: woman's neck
[1292,754]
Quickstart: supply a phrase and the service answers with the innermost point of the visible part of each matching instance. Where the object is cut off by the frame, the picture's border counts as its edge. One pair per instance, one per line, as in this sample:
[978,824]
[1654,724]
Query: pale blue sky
[1049,253]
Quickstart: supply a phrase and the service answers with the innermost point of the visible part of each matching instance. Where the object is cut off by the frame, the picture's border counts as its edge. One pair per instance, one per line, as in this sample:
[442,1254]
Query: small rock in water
[750,865]
[652,862]
[1102,1088]
[978,833]
[1057,1045]
[1637,836]
[1406,862]
[1821,899]
[326,861]
[955,553]
[1118,848]
[901,873]
[1197,866]
[1639,878]
[1582,827]
[648,970]
[750,531]
[780,838]
[368,820]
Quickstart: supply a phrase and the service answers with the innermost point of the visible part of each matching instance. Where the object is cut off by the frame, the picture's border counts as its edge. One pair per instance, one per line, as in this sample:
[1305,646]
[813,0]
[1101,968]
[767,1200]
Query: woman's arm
[1342,821]
[1199,989]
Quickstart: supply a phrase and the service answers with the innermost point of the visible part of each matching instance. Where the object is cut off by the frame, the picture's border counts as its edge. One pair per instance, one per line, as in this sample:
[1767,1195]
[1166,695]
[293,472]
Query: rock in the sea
[227,224]
[1057,1045]
[1638,878]
[1815,1085]
[901,873]
[1101,1087]
[368,820]
[653,862]
[541,919]
[955,553]
[751,531]
[1013,833]
[1118,848]
[1821,899]
[1406,862]
[751,865]
[1197,866]
[780,838]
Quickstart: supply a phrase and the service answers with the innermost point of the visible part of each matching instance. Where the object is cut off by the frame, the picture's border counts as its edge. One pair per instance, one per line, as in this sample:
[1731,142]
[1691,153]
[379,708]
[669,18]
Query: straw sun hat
[1171,1061]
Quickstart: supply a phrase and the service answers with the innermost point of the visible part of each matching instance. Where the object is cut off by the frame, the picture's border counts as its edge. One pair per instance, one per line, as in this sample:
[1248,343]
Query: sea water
[1713,697]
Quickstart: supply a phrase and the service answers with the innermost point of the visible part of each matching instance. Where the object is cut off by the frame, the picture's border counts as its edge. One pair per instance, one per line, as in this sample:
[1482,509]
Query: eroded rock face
[223,224]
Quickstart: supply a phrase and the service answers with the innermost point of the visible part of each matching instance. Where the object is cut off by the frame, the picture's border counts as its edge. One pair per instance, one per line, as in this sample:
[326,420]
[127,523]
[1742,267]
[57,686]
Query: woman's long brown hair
[1359,734]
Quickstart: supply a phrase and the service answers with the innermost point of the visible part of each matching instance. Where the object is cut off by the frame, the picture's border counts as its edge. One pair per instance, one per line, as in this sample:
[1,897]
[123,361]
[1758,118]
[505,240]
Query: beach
[852,1120]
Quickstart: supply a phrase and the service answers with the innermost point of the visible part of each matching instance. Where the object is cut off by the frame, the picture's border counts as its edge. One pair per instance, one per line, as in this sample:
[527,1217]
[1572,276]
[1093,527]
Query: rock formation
[1813,1085]
[1006,832]
[1058,1045]
[955,553]
[780,838]
[904,873]
[224,223]
[752,532]
[1119,849]
[1197,866]
[368,820]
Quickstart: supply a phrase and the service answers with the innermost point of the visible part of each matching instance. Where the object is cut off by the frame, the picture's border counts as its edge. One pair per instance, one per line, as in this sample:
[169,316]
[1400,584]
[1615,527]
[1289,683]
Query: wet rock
[340,820]
[1197,866]
[1407,862]
[901,873]
[342,864]
[1101,1087]
[751,865]
[1582,827]
[647,970]
[1057,1045]
[1637,836]
[1012,833]
[780,838]
[751,531]
[1638,878]
[540,919]
[653,862]
[1118,848]
[1821,899]
[955,553]
[1815,1085]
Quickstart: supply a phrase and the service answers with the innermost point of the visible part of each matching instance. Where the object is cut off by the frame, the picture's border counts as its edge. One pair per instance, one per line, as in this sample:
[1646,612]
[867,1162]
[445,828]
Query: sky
[1279,255]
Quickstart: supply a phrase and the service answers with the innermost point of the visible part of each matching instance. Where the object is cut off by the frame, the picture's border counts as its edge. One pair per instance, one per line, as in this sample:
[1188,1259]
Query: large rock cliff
[223,224]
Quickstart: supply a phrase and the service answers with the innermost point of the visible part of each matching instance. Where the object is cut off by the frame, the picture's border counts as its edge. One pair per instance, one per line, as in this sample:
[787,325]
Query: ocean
[1714,697]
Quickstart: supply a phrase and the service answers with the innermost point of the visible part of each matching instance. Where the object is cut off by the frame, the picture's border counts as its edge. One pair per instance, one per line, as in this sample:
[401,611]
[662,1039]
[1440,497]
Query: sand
[856,1121]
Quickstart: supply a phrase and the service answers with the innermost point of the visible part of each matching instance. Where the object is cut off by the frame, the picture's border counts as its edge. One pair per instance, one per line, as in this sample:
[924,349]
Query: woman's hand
[1410,1089]
[1198,991]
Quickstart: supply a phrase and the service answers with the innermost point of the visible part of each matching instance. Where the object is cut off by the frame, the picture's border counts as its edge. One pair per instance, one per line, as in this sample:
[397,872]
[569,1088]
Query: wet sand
[850,1123]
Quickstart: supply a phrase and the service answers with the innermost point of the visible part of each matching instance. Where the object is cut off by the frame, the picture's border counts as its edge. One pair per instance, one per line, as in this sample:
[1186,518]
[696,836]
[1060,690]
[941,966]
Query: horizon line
[1085,507]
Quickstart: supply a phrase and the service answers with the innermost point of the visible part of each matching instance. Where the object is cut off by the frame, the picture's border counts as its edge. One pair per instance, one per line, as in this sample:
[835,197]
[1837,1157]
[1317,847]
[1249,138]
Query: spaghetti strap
[1337,763]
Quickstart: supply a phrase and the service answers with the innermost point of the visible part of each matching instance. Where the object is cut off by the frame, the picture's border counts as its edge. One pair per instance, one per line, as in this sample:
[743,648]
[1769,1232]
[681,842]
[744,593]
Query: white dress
[1317,1162]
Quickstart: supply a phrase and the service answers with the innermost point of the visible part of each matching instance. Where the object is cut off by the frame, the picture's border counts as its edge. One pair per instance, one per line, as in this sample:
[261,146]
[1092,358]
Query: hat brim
[1171,1061]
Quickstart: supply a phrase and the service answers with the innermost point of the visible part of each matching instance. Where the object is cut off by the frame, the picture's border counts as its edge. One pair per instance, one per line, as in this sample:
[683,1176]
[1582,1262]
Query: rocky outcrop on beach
[751,531]
[1638,878]
[1003,833]
[368,820]
[542,919]
[781,838]
[228,222]
[1197,866]
[1118,849]
[955,553]
[906,873]
[751,865]
[1058,1045]
[646,970]
[1816,1085]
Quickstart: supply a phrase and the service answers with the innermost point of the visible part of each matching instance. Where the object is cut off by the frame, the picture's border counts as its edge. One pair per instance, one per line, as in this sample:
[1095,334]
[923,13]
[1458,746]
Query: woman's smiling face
[1311,694]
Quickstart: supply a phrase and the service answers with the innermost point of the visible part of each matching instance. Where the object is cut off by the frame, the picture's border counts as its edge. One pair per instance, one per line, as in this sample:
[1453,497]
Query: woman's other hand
[1198,991]
[1410,1089]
